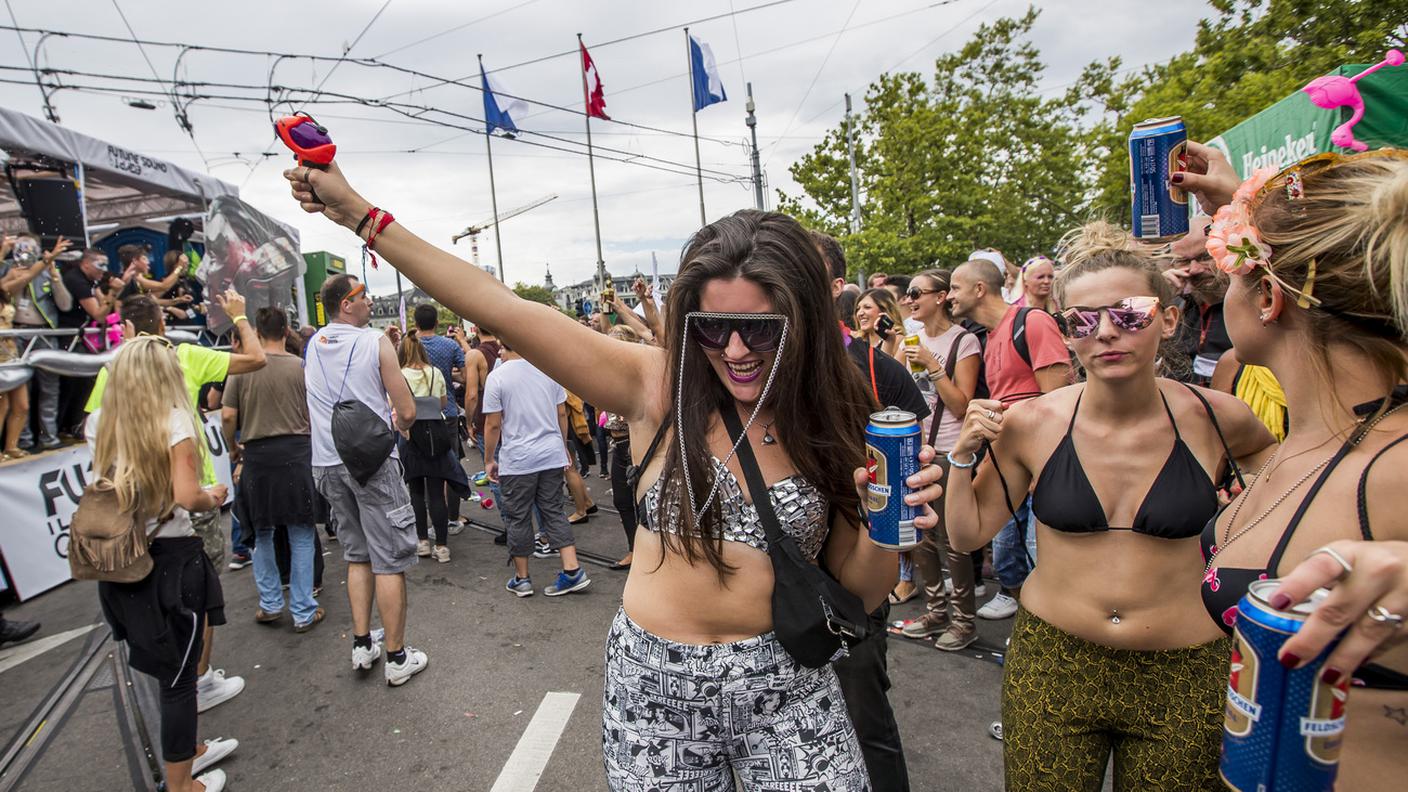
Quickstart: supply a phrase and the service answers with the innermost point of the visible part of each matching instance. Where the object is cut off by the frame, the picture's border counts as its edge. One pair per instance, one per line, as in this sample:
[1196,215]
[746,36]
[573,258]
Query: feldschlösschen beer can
[1283,726]
[1157,148]
[891,456]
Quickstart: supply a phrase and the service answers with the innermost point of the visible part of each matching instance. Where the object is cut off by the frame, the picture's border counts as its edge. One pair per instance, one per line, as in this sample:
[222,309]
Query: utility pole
[493,194]
[855,187]
[757,165]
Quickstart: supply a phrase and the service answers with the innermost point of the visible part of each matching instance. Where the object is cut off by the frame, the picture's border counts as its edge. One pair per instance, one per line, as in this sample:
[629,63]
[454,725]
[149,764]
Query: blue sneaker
[566,584]
[523,587]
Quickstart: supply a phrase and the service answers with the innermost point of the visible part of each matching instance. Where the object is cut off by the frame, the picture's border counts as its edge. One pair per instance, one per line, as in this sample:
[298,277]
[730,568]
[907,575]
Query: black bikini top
[1178,504]
[1223,587]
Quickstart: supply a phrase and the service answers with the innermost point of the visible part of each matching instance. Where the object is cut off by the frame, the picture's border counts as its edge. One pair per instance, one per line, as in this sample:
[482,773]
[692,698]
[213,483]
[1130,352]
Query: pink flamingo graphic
[1333,91]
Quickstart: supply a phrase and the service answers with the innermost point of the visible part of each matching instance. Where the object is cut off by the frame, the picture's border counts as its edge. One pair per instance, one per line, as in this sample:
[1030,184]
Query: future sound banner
[40,496]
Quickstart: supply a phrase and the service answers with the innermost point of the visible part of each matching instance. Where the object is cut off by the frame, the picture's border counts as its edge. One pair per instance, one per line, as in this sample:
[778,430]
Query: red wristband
[383,220]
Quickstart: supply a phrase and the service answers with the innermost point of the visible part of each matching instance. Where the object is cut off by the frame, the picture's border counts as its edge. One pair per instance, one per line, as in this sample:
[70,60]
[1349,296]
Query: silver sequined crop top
[800,508]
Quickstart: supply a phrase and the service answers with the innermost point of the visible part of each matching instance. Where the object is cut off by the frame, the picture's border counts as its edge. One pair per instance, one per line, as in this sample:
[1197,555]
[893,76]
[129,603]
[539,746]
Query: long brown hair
[818,397]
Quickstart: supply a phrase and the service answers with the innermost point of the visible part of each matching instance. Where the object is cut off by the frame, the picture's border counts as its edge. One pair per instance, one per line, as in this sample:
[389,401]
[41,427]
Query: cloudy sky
[801,56]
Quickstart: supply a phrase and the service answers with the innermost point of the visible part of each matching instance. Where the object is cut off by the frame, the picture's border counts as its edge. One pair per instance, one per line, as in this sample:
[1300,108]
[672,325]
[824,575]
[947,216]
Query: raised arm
[622,378]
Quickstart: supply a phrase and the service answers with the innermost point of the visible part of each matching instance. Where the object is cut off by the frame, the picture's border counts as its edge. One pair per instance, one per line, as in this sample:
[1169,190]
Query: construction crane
[473,231]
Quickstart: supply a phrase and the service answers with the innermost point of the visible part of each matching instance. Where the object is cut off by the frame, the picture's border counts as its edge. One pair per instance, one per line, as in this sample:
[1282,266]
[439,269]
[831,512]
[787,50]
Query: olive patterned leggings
[1068,703]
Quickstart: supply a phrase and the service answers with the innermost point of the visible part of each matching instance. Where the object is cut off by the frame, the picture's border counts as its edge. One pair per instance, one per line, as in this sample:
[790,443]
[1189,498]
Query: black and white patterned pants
[686,718]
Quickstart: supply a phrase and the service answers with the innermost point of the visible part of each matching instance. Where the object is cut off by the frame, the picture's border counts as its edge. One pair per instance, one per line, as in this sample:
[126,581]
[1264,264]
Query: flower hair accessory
[1233,242]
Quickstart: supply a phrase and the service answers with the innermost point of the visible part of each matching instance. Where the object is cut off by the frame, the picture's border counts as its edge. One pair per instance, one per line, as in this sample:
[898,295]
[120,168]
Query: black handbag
[816,619]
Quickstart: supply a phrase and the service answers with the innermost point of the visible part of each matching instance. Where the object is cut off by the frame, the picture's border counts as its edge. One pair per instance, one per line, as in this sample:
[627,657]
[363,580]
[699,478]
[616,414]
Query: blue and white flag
[708,86]
[499,109]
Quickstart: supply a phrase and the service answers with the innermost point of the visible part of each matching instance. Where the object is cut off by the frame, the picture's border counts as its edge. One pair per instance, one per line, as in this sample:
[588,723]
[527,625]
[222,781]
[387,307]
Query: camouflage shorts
[210,527]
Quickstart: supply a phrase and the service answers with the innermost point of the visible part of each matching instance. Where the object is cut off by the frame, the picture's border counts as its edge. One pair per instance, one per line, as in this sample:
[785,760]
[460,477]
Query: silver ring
[1383,615]
[992,416]
[1339,559]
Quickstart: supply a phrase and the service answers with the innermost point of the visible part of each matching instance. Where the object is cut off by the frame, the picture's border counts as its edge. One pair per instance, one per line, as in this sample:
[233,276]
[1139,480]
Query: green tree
[973,157]
[1248,56]
[537,294]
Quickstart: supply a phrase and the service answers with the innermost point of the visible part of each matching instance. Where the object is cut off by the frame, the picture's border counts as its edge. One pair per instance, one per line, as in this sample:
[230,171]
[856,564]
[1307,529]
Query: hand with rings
[983,422]
[1368,601]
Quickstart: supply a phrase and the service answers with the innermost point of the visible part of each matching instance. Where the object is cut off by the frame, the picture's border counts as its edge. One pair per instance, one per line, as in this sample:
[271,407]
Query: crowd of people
[1087,418]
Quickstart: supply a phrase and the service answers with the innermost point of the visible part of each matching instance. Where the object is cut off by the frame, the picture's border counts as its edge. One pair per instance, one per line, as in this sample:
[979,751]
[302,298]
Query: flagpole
[694,119]
[591,166]
[493,194]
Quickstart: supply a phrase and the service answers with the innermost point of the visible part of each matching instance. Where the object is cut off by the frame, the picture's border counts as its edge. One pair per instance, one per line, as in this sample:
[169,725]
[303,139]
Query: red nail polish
[1289,660]
[1331,675]
[1176,178]
[1280,601]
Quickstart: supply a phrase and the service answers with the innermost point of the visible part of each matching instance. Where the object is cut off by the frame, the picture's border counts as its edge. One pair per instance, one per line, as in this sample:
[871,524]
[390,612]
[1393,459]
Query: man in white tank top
[375,523]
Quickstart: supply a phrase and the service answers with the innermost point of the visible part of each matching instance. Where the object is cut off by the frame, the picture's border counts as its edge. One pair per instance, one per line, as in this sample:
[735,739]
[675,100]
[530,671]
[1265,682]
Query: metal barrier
[68,363]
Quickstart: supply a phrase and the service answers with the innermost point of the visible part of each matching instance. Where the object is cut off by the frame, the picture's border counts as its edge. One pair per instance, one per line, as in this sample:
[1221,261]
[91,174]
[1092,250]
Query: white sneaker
[455,528]
[214,781]
[980,590]
[364,659]
[999,607]
[215,750]
[398,673]
[214,688]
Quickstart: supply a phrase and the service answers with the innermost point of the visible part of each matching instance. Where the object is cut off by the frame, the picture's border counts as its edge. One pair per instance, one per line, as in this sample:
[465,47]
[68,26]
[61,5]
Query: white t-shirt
[939,347]
[530,439]
[179,425]
[342,362]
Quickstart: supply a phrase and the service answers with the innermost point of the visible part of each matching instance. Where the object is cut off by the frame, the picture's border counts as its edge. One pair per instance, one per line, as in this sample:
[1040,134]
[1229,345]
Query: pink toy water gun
[1333,91]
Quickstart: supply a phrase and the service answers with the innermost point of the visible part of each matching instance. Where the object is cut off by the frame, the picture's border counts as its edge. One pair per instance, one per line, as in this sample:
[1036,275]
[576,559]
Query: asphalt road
[306,722]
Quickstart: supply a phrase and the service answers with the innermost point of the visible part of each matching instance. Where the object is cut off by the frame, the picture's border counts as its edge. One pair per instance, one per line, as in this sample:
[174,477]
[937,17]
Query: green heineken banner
[1293,128]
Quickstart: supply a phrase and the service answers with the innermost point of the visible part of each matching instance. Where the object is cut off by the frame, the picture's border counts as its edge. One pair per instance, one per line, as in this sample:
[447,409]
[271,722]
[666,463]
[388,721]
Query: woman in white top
[147,437]
[429,464]
[951,358]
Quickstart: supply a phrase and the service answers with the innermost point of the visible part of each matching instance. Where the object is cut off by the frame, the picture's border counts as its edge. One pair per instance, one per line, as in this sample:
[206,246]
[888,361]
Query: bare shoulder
[1055,406]
[655,372]
[1183,400]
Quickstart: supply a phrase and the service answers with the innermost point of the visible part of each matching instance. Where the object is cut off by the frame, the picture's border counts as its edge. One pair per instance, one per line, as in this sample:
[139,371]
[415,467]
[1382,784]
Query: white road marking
[9,658]
[529,758]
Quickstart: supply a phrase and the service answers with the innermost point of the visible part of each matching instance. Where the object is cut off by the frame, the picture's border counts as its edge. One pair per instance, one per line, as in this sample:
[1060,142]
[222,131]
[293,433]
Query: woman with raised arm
[1110,653]
[693,667]
[1318,255]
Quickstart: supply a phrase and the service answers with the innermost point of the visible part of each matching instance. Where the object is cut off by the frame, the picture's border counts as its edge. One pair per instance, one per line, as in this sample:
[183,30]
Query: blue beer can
[1158,147]
[891,456]
[1282,728]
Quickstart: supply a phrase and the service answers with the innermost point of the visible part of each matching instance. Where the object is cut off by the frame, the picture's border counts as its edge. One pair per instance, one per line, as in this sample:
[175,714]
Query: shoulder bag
[104,543]
[816,619]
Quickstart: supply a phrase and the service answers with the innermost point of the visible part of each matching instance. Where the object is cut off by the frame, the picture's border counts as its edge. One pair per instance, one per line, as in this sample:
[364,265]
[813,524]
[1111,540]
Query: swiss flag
[596,100]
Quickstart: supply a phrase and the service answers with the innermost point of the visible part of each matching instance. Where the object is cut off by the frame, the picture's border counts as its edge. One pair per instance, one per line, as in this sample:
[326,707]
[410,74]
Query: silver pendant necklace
[768,439]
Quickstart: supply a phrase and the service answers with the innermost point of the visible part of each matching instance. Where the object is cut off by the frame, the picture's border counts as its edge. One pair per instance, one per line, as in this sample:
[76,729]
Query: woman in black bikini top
[1124,468]
[1322,301]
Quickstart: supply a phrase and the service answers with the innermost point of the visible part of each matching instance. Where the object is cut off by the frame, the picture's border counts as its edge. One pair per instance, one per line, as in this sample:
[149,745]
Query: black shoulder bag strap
[1226,451]
[1019,335]
[816,618]
[633,471]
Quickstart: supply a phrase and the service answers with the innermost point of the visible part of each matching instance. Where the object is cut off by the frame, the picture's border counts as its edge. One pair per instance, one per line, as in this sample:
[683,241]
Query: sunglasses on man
[1131,315]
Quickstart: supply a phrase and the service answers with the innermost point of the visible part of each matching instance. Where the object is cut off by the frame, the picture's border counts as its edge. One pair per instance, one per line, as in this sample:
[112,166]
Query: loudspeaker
[51,206]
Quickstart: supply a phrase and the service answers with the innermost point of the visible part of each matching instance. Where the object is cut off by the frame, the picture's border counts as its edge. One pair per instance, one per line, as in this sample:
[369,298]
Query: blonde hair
[133,449]
[1349,227]
[1101,245]
[412,352]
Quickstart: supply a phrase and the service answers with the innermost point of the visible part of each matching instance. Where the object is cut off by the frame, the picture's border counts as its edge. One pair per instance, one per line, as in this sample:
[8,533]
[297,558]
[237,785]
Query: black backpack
[1019,340]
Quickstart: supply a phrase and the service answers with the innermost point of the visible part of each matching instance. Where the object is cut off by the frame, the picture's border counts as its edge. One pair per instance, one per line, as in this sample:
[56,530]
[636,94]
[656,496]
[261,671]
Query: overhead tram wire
[418,114]
[270,147]
[815,77]
[343,99]
[170,93]
[599,44]
[772,50]
[454,29]
[369,63]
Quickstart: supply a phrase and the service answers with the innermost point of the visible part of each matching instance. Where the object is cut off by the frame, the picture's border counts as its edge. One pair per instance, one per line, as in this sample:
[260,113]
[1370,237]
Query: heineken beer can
[1283,727]
[891,456]
[1157,148]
